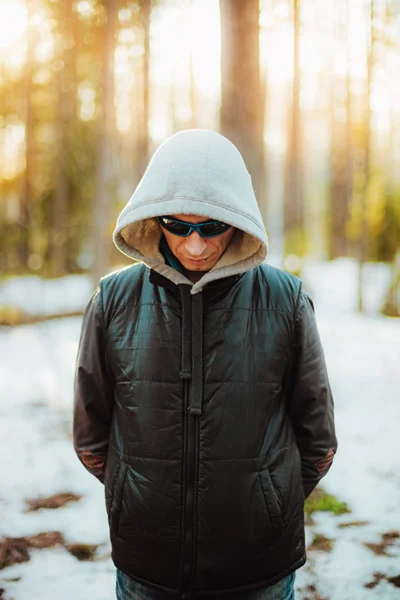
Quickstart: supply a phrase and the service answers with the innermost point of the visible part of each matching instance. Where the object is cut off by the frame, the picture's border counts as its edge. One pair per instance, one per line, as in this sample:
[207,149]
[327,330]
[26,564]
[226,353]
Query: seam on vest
[278,310]
[276,384]
[130,457]
[102,310]
[295,315]
[135,304]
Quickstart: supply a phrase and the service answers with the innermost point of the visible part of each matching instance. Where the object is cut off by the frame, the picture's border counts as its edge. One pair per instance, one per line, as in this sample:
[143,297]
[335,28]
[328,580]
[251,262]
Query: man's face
[197,253]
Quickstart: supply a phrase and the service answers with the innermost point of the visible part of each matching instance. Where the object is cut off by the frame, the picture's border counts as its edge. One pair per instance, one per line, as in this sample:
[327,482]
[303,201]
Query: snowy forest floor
[352,556]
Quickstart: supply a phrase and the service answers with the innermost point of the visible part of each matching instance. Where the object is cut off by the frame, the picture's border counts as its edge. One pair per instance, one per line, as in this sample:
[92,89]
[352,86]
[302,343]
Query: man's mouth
[198,260]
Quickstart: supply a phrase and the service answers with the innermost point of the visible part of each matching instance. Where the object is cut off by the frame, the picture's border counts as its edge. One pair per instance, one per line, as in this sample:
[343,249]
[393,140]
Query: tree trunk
[294,196]
[105,159]
[242,92]
[143,129]
[363,241]
[26,193]
[391,306]
[341,159]
[66,108]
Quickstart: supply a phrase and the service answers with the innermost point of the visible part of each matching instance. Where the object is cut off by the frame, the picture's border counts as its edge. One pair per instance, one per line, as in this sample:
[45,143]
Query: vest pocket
[117,497]
[272,501]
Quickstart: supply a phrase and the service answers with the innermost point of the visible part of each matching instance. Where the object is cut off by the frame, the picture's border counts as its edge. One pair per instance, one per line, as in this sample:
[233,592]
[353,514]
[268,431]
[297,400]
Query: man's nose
[195,244]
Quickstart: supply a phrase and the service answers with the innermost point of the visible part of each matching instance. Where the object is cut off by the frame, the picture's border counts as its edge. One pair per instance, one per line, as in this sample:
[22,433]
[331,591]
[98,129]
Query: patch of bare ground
[379,577]
[46,539]
[378,549]
[322,543]
[353,524]
[52,502]
[388,540]
[394,580]
[312,594]
[12,551]
[391,536]
[17,550]
[82,551]
[308,520]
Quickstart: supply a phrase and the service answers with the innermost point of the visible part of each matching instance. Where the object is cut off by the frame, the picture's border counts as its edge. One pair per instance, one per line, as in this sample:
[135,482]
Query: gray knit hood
[196,172]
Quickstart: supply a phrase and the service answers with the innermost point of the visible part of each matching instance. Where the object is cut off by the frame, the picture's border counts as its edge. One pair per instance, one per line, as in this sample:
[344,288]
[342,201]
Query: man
[202,400]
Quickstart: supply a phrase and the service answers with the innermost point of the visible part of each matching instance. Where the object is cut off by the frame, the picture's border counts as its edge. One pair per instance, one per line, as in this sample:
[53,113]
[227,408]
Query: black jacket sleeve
[93,392]
[310,401]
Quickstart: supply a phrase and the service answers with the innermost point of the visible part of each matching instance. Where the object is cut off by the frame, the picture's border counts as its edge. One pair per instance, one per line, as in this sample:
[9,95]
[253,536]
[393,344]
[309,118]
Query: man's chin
[201,265]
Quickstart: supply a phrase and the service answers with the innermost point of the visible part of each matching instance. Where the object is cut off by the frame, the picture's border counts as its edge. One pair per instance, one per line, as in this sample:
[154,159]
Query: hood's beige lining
[243,253]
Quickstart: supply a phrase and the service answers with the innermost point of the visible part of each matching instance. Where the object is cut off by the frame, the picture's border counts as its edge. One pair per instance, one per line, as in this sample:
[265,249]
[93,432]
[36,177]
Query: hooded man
[202,400]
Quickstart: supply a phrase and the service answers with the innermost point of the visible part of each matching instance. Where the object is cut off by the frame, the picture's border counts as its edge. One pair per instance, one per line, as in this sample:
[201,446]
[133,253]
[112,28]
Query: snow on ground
[363,358]
[332,284]
[37,458]
[36,296]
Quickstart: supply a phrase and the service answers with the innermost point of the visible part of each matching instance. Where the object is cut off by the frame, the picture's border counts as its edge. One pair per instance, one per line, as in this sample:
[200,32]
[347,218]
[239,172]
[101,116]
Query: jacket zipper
[192,424]
[193,401]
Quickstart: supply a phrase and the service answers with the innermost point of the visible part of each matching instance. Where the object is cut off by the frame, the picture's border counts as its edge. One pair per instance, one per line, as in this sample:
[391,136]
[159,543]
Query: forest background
[309,91]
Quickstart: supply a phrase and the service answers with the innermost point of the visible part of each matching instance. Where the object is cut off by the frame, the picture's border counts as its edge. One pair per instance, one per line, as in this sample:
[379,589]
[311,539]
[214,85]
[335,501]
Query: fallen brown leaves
[353,524]
[388,539]
[394,580]
[82,551]
[52,502]
[320,542]
[16,550]
[46,539]
[379,576]
[12,551]
[312,594]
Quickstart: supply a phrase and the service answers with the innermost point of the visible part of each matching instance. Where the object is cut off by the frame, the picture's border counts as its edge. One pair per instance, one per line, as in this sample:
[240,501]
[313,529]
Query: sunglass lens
[214,228]
[175,226]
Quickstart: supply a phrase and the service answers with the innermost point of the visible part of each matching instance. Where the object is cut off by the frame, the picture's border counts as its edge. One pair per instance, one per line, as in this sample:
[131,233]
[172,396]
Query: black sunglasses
[206,229]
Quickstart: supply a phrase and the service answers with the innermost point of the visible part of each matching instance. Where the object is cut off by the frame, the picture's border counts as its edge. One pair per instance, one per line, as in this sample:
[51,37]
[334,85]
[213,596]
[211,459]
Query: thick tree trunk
[391,307]
[341,153]
[294,196]
[242,92]
[66,107]
[25,220]
[143,129]
[105,159]
[363,241]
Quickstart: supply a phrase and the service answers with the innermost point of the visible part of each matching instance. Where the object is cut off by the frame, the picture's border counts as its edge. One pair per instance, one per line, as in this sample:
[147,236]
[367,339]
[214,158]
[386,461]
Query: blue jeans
[127,589]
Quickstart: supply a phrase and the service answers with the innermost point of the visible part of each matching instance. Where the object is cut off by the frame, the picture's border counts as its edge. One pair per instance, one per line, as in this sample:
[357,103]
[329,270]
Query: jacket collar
[210,290]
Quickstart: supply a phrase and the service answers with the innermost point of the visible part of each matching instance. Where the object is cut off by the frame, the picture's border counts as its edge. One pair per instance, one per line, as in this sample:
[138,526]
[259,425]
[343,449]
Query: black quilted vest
[203,481]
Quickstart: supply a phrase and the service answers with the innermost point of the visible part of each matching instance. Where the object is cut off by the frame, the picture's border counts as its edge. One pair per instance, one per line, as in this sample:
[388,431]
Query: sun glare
[13,21]
[177,32]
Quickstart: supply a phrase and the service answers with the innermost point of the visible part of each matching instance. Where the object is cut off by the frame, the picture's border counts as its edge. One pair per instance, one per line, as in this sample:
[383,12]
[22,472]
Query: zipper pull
[185,376]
